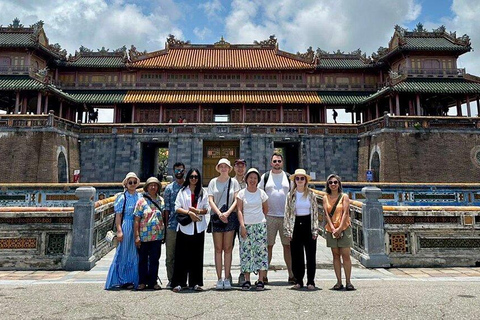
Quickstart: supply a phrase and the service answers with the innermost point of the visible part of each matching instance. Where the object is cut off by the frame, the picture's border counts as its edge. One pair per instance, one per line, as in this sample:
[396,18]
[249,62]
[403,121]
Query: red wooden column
[115,113]
[281,113]
[199,117]
[377,111]
[469,111]
[244,113]
[308,113]
[478,107]
[133,113]
[419,109]
[60,112]
[397,104]
[390,104]
[39,103]
[411,110]
[45,109]
[459,108]
[24,105]
[17,102]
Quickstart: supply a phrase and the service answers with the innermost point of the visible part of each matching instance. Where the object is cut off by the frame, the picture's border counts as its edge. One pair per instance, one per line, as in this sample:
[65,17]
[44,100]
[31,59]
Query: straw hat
[300,172]
[252,170]
[150,181]
[224,161]
[128,176]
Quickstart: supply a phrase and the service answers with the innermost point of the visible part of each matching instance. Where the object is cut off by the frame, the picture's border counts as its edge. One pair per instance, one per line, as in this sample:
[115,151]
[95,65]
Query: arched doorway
[62,168]
[375,165]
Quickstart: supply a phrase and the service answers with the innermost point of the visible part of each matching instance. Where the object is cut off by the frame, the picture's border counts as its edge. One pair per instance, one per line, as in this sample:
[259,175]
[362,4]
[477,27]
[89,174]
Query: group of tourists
[251,206]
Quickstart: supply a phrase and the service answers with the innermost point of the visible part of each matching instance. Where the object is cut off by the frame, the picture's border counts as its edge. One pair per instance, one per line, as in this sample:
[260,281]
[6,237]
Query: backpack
[267,175]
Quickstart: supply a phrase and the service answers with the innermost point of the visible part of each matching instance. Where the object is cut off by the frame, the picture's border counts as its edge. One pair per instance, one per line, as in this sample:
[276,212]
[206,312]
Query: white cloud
[212,9]
[330,24]
[202,33]
[97,23]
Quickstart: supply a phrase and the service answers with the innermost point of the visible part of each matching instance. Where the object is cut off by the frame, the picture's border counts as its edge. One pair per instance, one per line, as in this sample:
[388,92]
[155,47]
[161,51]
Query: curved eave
[459,51]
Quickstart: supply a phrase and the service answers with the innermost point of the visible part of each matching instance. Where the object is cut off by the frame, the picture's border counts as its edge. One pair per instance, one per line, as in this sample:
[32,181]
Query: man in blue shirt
[170,195]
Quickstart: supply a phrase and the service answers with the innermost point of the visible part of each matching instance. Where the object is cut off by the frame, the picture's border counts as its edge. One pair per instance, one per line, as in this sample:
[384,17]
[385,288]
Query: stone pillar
[81,254]
[373,230]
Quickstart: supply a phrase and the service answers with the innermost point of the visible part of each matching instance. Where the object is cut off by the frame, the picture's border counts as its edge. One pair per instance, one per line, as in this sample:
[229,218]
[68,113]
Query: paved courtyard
[416,293]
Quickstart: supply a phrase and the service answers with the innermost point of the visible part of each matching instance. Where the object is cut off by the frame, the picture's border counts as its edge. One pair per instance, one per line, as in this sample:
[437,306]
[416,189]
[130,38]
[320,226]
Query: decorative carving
[440,29]
[37,27]
[57,48]
[222,43]
[321,52]
[380,52]
[272,41]
[16,24]
[465,39]
[134,53]
[308,56]
[83,49]
[400,30]
[419,28]
[103,50]
[175,42]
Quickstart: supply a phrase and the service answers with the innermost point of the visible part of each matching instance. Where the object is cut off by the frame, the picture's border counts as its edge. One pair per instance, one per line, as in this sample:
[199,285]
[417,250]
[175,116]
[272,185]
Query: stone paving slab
[277,275]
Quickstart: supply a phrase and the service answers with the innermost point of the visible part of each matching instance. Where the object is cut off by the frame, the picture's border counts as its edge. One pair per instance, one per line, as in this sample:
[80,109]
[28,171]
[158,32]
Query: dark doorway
[62,168]
[154,160]
[375,165]
[290,153]
[214,151]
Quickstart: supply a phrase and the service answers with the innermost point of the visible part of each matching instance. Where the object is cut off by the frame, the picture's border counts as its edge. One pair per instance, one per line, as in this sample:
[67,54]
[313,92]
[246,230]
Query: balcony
[433,72]
[15,70]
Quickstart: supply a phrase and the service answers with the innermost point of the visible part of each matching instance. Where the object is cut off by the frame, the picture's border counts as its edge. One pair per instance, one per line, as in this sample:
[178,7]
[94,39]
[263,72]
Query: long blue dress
[124,267]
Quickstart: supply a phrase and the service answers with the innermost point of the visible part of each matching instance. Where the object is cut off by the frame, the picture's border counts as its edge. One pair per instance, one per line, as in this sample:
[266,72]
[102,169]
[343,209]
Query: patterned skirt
[253,249]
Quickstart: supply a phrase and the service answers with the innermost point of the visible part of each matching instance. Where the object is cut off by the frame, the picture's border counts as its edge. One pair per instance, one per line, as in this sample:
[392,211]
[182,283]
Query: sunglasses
[193,177]
[277,161]
[132,182]
[179,171]
[333,182]
[299,178]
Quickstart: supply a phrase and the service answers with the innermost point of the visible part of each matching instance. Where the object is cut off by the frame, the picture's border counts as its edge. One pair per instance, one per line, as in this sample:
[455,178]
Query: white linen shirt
[184,201]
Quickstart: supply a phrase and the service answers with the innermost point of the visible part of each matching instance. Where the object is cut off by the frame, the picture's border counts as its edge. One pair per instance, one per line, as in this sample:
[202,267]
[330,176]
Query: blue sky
[331,25]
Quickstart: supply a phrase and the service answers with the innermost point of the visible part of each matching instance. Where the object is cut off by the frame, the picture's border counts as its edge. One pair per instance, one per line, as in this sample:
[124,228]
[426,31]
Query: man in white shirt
[276,184]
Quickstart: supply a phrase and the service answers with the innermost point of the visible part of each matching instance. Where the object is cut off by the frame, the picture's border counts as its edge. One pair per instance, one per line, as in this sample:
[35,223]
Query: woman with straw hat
[301,227]
[149,232]
[123,271]
[222,197]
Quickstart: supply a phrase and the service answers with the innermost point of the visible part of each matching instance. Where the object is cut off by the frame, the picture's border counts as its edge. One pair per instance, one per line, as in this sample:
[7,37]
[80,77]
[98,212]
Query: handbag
[214,218]
[111,235]
[184,219]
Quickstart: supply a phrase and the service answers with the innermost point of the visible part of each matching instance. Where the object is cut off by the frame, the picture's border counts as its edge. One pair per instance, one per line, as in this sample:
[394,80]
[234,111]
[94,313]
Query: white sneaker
[227,285]
[219,285]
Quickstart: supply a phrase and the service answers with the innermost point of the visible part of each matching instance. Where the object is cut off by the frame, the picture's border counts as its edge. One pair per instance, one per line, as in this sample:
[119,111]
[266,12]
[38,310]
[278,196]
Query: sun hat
[128,176]
[150,181]
[252,170]
[224,161]
[300,172]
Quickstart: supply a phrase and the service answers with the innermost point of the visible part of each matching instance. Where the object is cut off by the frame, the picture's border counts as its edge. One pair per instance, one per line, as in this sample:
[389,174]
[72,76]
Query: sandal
[349,287]
[141,287]
[297,287]
[338,287]
[310,287]
[197,288]
[177,289]
[292,280]
[260,286]
[127,286]
[157,287]
[246,286]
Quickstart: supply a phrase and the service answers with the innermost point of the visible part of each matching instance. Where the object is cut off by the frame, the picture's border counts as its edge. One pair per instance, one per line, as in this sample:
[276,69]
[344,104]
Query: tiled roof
[222,97]
[342,98]
[95,62]
[16,39]
[339,63]
[20,83]
[206,58]
[431,43]
[98,96]
[437,86]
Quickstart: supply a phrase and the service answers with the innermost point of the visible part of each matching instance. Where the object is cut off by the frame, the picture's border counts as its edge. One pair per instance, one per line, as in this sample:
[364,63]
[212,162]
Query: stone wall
[108,157]
[422,155]
[32,155]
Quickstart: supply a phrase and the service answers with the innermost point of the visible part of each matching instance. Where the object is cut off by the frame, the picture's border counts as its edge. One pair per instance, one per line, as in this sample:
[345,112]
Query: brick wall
[423,156]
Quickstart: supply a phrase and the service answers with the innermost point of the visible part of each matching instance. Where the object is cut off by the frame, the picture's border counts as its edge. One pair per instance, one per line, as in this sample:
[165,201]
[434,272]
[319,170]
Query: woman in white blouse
[192,200]
[301,227]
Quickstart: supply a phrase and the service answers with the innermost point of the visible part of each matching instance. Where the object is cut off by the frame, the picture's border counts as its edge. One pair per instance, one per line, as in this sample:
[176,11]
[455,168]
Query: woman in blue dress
[123,271]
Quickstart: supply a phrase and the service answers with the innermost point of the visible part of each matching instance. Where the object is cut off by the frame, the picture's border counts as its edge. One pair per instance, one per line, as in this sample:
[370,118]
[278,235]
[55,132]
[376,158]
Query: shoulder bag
[332,212]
